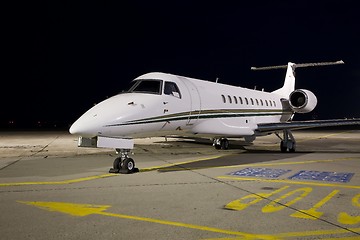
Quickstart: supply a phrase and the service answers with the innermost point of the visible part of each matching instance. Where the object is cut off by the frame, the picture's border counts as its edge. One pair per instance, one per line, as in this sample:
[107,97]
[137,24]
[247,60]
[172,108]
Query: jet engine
[302,101]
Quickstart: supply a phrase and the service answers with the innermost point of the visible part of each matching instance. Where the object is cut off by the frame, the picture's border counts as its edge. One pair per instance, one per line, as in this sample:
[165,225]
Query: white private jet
[161,104]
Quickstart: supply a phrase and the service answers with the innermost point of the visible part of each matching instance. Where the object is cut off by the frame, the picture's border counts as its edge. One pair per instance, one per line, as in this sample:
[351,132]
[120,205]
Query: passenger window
[247,101]
[270,103]
[266,102]
[257,102]
[252,101]
[172,89]
[223,98]
[235,99]
[274,104]
[241,101]
[229,99]
[261,102]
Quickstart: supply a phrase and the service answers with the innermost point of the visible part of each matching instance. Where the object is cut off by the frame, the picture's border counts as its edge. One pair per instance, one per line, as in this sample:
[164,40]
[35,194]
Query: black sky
[62,57]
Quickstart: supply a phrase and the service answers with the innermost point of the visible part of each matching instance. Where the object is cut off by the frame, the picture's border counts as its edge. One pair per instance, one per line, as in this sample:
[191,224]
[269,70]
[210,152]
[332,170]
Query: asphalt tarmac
[51,189]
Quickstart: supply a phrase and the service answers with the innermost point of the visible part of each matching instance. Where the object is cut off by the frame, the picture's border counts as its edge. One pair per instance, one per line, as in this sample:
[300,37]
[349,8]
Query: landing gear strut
[123,164]
[288,142]
[221,143]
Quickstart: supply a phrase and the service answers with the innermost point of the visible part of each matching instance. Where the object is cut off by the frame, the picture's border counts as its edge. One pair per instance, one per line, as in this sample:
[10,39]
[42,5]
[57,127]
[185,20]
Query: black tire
[129,164]
[224,144]
[117,163]
[293,149]
[283,147]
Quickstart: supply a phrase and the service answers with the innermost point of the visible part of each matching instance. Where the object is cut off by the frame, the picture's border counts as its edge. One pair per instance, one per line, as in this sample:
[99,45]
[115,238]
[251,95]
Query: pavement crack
[31,155]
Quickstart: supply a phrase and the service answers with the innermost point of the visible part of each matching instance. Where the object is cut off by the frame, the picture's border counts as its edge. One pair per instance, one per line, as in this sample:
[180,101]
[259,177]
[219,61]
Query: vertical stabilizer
[289,83]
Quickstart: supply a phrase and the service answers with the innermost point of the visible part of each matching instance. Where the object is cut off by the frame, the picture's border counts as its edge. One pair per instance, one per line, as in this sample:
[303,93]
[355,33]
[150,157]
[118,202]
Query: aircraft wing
[295,125]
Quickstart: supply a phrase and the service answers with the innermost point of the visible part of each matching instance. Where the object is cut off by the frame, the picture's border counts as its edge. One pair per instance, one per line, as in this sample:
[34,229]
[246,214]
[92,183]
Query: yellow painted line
[290,182]
[286,163]
[308,234]
[57,182]
[232,238]
[345,218]
[179,163]
[100,176]
[82,210]
[343,238]
[315,233]
[313,212]
[239,238]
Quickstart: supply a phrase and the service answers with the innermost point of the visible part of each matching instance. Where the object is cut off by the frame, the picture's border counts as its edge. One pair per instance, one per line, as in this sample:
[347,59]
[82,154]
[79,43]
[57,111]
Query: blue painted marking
[260,172]
[323,176]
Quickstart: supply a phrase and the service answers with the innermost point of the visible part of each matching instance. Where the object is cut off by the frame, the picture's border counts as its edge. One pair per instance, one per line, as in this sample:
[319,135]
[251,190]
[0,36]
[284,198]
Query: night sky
[63,57]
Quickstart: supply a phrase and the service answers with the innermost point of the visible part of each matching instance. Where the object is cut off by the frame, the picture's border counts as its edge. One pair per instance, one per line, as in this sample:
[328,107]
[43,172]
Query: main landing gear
[288,142]
[221,143]
[123,164]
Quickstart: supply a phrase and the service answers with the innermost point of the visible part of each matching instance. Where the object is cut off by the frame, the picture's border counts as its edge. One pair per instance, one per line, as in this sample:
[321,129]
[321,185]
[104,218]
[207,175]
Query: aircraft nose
[74,129]
[83,128]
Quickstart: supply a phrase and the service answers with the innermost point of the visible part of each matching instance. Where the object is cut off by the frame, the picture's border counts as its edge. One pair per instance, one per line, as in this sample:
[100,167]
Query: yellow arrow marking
[79,210]
[82,210]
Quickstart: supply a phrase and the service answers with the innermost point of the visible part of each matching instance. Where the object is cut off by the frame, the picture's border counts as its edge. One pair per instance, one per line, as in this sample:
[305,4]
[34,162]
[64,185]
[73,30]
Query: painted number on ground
[286,197]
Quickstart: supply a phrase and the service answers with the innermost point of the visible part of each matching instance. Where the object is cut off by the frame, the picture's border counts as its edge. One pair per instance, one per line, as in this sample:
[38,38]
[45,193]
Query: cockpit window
[172,89]
[146,86]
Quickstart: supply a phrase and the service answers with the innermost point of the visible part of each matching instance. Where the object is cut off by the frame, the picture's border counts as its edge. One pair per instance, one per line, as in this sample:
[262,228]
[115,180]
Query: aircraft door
[195,100]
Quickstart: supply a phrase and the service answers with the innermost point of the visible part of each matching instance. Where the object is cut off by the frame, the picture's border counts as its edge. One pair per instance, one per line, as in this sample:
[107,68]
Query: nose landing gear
[221,143]
[123,164]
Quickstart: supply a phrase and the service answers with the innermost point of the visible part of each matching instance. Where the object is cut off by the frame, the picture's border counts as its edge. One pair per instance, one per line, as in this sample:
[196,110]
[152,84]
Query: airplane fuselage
[193,107]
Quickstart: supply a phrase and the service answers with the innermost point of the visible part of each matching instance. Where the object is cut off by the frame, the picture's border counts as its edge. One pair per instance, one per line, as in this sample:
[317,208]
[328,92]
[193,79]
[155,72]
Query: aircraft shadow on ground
[246,158]
[250,154]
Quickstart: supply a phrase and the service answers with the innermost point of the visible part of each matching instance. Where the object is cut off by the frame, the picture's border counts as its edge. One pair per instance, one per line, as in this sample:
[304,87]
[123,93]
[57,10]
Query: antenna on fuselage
[217,79]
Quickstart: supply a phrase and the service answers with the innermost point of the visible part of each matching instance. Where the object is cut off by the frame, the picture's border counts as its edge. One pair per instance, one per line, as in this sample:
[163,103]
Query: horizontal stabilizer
[297,65]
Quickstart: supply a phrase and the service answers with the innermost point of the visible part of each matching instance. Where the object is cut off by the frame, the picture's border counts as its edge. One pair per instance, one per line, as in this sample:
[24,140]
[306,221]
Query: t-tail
[298,100]
[289,83]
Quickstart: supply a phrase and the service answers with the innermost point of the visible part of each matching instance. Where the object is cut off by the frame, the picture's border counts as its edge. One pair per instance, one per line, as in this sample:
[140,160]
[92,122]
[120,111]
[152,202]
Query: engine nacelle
[302,101]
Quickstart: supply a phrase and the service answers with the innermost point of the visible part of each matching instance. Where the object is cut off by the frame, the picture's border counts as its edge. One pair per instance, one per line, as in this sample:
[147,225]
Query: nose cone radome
[83,128]
[93,122]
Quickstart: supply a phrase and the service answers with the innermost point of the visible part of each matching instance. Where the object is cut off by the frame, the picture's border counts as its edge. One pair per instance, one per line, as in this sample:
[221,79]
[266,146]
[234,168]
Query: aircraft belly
[223,127]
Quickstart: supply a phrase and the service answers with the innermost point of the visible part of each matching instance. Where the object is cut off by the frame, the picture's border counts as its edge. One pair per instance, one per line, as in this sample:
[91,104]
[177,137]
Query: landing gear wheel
[293,148]
[117,163]
[128,164]
[224,144]
[283,147]
[221,143]
[288,143]
[123,164]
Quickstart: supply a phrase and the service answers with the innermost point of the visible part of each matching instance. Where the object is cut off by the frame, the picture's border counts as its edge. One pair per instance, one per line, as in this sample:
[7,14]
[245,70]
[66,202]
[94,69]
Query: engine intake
[302,101]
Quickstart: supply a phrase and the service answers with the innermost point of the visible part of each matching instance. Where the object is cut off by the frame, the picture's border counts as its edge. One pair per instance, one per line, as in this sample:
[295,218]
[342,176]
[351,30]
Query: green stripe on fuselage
[206,114]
